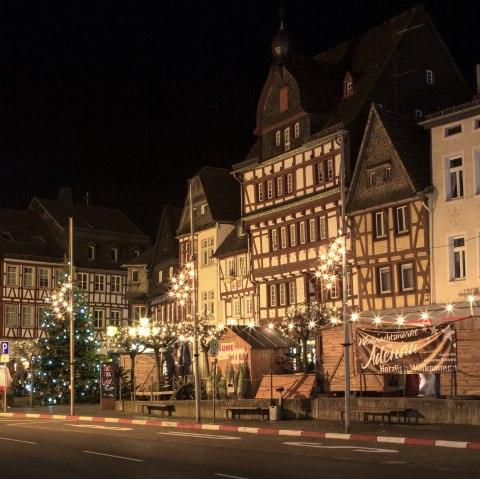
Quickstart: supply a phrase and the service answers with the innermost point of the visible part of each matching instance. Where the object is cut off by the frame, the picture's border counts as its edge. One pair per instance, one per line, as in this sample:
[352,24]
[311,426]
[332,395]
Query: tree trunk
[304,355]
[32,375]
[158,363]
[132,374]
[207,364]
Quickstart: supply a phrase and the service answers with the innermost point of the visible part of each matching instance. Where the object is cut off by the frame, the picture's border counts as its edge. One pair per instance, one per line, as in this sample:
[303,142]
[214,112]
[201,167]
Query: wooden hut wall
[468,360]
[332,363]
[145,370]
[238,343]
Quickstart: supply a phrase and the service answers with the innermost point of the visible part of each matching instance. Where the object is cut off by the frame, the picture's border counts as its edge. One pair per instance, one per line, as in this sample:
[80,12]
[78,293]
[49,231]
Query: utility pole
[72,319]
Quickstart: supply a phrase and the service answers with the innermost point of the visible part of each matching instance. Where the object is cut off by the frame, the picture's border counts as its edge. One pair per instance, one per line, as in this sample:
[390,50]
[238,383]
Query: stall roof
[259,337]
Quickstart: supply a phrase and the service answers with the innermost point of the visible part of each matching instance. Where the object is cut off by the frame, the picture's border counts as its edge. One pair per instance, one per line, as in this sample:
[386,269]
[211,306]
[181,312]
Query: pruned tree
[28,349]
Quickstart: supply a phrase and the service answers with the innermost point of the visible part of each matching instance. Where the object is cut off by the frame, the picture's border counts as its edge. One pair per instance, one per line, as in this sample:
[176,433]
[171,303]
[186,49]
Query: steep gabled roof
[260,337]
[232,244]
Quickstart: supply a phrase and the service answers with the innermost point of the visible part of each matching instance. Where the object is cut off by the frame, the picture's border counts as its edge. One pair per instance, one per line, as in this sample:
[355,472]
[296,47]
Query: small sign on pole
[214,348]
[4,352]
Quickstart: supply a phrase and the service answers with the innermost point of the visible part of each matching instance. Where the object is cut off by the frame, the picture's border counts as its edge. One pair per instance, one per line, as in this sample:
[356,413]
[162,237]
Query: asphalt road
[36,448]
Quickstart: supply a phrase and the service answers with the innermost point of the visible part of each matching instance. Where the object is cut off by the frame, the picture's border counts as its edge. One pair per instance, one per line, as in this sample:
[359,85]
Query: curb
[257,430]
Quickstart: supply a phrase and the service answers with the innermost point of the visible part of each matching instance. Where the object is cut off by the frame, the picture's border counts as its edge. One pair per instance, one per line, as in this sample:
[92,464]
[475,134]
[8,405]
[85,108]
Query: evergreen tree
[53,369]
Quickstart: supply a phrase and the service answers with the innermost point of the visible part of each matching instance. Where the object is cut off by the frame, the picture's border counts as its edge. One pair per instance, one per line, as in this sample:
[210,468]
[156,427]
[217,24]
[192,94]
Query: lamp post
[72,318]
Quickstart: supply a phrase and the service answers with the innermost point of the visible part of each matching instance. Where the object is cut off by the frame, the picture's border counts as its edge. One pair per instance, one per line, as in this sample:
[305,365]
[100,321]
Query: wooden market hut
[464,382]
[263,349]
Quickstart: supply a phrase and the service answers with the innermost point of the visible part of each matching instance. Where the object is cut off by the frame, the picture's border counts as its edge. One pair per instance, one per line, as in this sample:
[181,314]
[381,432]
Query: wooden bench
[373,411]
[237,410]
[163,406]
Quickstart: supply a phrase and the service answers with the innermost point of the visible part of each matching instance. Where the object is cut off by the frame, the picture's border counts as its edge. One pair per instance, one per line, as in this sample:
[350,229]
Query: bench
[237,410]
[163,406]
[373,411]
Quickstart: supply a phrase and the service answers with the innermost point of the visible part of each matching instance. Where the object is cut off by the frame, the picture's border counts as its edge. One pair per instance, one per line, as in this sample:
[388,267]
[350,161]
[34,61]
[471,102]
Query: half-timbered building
[35,246]
[291,177]
[388,215]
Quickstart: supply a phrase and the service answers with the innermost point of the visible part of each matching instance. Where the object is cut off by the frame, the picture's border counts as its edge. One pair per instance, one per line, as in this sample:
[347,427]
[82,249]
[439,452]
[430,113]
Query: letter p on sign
[4,347]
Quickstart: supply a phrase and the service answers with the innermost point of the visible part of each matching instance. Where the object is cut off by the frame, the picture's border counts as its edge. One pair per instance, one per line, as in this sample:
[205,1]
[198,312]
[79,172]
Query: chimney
[65,197]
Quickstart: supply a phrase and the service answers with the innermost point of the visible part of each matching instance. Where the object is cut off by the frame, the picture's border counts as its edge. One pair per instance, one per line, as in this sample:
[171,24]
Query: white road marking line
[17,440]
[97,426]
[353,448]
[228,475]
[193,434]
[111,455]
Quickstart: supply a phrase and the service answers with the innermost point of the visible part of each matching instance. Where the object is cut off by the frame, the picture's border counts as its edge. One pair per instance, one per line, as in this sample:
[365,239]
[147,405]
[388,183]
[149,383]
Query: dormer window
[297,130]
[278,138]
[135,276]
[283,98]
[418,113]
[114,254]
[240,229]
[371,178]
[429,77]
[387,174]
[203,209]
[92,251]
[348,85]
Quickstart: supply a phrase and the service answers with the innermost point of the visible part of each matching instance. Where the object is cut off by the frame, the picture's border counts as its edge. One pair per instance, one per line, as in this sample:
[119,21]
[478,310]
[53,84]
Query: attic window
[387,174]
[37,239]
[348,85]
[297,130]
[371,178]
[278,138]
[114,254]
[240,230]
[283,98]
[6,236]
[429,77]
[91,252]
[203,209]
[418,113]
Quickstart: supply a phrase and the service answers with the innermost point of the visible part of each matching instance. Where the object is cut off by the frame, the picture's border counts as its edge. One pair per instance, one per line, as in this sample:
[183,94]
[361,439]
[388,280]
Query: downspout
[427,194]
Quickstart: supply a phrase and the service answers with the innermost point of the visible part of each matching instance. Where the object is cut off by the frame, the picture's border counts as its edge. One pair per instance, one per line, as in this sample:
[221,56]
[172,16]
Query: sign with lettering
[228,352]
[407,351]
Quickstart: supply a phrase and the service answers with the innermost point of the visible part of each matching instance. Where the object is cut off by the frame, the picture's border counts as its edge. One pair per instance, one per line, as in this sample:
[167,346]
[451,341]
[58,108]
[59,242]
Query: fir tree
[53,369]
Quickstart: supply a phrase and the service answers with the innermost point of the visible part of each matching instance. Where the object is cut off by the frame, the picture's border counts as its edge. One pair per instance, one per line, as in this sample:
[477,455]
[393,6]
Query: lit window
[274,239]
[293,234]
[82,281]
[319,173]
[279,186]
[135,276]
[139,312]
[330,170]
[12,276]
[283,237]
[98,318]
[269,189]
[44,278]
[312,230]
[231,267]
[91,252]
[273,295]
[260,192]
[236,307]
[207,251]
[292,299]
[11,315]
[455,178]
[248,306]
[99,282]
[160,276]
[406,275]
[384,280]
[281,294]
[242,265]
[301,233]
[114,318]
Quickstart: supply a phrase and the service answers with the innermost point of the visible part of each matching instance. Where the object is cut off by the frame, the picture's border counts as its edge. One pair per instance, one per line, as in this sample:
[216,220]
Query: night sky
[126,100]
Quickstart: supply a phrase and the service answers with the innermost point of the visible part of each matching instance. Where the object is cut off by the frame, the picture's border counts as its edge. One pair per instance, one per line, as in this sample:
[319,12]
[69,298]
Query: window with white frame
[260,191]
[458,263]
[379,224]
[135,275]
[204,209]
[91,252]
[429,77]
[242,265]
[114,254]
[387,173]
[248,306]
[98,318]
[28,277]
[406,276]
[283,237]
[292,296]
[319,173]
[44,278]
[28,316]
[455,178]
[236,311]
[323,227]
[82,281]
[278,138]
[115,318]
[269,189]
[289,182]
[286,138]
[116,282]
[11,315]
[207,251]
[279,186]
[333,290]
[302,237]
[282,298]
[401,217]
[208,303]
[231,267]
[293,234]
[418,113]
[312,230]
[297,130]
[384,280]
[371,178]
[274,239]
[273,294]
[99,284]
[330,170]
[12,275]
[138,313]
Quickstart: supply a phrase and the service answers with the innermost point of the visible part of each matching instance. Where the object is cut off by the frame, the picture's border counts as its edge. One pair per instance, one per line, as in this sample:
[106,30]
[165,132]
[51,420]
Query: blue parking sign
[4,347]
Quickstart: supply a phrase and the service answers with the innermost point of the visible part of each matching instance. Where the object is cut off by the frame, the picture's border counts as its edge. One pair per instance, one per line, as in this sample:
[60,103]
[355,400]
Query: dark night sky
[126,100]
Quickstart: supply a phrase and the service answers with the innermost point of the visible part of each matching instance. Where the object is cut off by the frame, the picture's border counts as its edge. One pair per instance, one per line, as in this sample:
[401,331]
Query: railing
[453,109]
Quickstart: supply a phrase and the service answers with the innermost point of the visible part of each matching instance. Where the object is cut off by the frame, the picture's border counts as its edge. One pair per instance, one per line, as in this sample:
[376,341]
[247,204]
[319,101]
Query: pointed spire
[281,43]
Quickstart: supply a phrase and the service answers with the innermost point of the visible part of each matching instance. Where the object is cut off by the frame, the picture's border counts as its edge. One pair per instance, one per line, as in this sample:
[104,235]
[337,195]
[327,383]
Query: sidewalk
[448,435]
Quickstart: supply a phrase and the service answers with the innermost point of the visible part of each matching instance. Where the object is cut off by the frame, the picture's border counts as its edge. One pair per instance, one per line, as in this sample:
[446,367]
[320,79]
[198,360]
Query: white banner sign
[228,352]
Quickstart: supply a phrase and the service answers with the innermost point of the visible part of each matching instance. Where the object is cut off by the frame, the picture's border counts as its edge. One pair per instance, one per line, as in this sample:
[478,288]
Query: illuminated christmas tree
[53,369]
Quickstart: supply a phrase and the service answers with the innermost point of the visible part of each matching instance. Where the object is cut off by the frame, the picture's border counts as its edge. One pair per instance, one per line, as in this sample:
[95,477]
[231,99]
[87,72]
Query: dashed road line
[112,455]
[202,436]
[17,440]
